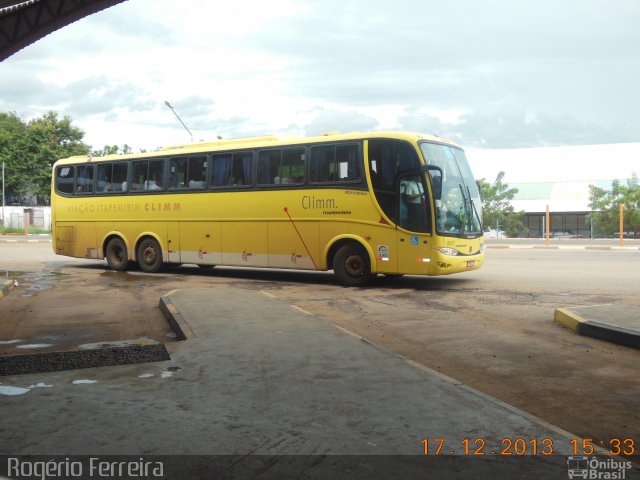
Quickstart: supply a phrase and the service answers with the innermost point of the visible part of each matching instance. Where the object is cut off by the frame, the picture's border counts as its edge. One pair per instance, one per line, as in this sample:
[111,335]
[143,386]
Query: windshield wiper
[467,209]
[473,206]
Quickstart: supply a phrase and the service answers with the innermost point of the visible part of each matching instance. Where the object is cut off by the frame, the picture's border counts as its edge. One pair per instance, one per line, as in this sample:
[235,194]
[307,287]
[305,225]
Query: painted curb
[177,322]
[5,287]
[589,328]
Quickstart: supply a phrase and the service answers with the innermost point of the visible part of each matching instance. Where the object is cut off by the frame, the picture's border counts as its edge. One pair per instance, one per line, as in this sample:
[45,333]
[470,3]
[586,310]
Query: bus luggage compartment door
[65,240]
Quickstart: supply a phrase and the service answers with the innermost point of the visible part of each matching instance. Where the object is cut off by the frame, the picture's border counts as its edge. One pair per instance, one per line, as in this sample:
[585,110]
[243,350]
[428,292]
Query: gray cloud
[526,73]
[334,120]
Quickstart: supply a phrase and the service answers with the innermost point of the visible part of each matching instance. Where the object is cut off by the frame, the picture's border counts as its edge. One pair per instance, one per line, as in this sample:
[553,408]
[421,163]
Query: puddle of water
[146,375]
[26,295]
[33,346]
[172,335]
[168,372]
[41,385]
[7,390]
[10,342]
[84,382]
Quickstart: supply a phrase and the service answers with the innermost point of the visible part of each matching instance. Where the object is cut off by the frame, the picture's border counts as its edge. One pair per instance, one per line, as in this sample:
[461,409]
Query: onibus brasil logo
[597,468]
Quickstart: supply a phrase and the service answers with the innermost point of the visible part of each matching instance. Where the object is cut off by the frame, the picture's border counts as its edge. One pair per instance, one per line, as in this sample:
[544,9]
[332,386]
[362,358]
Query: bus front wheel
[351,266]
[117,255]
[149,255]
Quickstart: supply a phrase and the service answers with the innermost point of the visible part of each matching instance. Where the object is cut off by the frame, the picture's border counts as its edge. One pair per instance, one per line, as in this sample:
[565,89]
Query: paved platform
[614,323]
[261,380]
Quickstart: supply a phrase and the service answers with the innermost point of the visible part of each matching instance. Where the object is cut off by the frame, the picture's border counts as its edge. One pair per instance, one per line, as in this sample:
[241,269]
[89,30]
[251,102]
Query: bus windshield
[458,209]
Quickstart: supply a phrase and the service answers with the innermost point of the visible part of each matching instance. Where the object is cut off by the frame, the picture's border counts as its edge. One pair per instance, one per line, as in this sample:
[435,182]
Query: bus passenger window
[104,177]
[242,169]
[64,179]
[140,172]
[335,163]
[197,172]
[232,169]
[322,162]
[119,177]
[221,170]
[155,178]
[281,167]
[84,179]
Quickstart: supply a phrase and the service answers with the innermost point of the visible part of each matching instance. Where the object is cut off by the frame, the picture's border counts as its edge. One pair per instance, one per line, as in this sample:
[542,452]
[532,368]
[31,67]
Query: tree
[605,206]
[496,205]
[29,150]
[112,150]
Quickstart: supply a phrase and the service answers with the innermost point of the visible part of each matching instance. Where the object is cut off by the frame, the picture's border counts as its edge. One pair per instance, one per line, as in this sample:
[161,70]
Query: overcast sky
[486,73]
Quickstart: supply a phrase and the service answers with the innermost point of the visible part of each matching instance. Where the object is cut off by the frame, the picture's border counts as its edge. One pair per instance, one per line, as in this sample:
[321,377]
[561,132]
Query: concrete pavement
[257,376]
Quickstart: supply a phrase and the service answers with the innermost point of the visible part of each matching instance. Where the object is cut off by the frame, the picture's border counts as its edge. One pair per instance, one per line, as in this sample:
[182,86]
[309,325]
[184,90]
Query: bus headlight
[448,251]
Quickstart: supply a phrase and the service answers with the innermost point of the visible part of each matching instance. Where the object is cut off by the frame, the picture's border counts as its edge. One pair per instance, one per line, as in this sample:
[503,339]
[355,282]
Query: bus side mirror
[435,174]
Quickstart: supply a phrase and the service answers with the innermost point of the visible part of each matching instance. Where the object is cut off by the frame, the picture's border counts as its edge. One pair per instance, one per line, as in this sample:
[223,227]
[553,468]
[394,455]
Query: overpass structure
[23,22]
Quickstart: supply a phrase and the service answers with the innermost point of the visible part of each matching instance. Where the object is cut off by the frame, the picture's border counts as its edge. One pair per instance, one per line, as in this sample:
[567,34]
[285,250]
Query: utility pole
[166,102]
[3,221]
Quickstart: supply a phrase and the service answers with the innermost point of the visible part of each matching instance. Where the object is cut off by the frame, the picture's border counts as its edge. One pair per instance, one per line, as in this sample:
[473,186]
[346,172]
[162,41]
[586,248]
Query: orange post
[621,224]
[547,222]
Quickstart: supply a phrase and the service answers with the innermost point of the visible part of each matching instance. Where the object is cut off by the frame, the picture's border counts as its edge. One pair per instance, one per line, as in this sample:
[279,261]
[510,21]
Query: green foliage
[605,206]
[30,149]
[112,150]
[496,205]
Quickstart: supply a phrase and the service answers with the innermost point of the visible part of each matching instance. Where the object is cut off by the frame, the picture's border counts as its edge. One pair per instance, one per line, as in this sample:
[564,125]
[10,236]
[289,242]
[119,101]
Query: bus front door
[413,229]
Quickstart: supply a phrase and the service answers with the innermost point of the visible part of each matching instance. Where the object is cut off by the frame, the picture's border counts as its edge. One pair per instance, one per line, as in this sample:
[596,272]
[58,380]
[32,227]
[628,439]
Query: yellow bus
[359,204]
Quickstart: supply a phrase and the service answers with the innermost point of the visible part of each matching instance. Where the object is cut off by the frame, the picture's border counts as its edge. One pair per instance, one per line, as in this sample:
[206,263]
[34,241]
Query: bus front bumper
[447,264]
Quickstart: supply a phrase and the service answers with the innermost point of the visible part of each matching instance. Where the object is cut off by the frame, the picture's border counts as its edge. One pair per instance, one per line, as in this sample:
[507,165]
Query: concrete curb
[589,328]
[23,240]
[140,350]
[177,322]
[5,287]
[562,247]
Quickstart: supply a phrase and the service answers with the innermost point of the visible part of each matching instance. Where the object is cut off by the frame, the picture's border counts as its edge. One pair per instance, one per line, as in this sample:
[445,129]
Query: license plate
[471,263]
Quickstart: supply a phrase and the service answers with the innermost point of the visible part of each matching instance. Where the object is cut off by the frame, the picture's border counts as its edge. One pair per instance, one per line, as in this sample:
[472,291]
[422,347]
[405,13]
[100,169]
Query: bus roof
[261,142]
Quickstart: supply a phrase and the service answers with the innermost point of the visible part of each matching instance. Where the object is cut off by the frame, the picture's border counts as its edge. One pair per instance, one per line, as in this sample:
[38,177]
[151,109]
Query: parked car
[491,233]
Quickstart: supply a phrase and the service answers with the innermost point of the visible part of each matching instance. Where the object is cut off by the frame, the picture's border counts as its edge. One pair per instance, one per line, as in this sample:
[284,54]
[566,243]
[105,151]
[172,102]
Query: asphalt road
[491,329]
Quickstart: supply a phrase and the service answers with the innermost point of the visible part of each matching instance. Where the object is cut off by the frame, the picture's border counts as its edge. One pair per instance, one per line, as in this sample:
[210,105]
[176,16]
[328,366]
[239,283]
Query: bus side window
[268,165]
[220,170]
[322,162]
[119,178]
[104,177]
[242,169]
[139,176]
[292,167]
[177,173]
[64,179]
[346,166]
[197,172]
[155,176]
[335,163]
[84,179]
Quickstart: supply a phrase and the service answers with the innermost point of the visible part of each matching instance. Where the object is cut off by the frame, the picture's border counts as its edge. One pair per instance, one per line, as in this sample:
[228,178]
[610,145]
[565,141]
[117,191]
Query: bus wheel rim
[118,253]
[149,255]
[354,266]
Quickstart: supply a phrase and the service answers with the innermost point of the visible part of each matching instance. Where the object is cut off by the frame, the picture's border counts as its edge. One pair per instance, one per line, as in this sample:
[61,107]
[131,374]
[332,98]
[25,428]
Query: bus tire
[117,255]
[351,266]
[149,255]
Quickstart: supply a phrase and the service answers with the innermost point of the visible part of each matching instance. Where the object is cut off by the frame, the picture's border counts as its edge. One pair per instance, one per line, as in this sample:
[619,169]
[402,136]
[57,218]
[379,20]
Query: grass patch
[35,231]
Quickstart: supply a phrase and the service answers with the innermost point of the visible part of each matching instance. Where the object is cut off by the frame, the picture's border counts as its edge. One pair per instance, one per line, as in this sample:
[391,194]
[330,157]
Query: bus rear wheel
[149,256]
[117,255]
[351,266]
